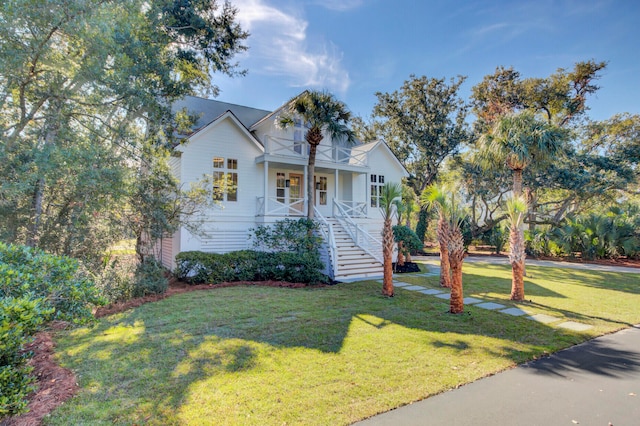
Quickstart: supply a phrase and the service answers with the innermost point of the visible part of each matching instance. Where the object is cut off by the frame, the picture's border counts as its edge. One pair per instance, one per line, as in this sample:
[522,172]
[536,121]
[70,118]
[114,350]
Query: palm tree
[322,113]
[435,197]
[517,140]
[516,209]
[389,199]
[456,257]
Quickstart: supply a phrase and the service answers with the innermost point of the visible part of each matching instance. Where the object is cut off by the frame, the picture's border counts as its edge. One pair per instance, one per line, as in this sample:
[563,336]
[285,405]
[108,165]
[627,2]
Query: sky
[355,48]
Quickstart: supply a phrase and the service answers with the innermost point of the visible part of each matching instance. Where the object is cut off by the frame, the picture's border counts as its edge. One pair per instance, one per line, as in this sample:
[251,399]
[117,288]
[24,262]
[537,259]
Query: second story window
[225,179]
[377,182]
[298,135]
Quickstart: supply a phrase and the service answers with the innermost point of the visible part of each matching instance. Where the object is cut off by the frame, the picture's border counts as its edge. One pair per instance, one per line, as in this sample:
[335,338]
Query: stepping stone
[516,312]
[430,291]
[446,296]
[543,318]
[414,288]
[490,305]
[575,326]
[471,300]
[400,284]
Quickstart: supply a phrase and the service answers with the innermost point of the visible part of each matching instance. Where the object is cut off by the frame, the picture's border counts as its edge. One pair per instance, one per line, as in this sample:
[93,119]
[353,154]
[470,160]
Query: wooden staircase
[353,262]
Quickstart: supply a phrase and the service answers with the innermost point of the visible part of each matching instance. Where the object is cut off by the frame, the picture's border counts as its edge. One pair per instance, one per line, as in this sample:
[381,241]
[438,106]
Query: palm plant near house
[435,197]
[389,199]
[323,113]
[516,209]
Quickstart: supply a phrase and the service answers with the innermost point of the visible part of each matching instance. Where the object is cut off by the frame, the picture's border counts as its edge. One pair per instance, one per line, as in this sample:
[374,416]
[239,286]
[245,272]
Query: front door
[322,195]
[296,194]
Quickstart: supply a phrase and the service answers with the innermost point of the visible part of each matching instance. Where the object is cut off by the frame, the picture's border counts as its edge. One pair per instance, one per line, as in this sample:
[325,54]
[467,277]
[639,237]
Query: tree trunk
[311,188]
[443,242]
[387,241]
[456,257]
[517,259]
[400,261]
[517,182]
[456,303]
[517,281]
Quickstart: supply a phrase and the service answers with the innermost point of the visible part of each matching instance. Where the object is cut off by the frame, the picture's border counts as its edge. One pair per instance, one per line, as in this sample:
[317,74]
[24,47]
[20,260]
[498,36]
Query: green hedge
[35,287]
[249,265]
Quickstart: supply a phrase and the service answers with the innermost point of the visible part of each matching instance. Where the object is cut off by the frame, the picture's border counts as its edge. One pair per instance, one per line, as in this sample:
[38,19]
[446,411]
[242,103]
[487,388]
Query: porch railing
[351,208]
[326,230]
[336,154]
[274,206]
[362,238]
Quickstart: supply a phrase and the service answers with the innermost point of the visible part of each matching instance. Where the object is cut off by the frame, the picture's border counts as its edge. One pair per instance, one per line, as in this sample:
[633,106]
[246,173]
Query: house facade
[264,170]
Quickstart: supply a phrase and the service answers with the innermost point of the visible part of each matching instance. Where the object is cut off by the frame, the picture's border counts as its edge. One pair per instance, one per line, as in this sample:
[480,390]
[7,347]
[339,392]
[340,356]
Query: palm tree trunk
[517,182]
[311,189]
[443,242]
[387,241]
[400,261]
[456,257]
[517,281]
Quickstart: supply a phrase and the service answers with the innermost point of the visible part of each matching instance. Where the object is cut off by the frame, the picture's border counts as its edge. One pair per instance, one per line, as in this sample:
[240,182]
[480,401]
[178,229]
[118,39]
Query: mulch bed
[56,384]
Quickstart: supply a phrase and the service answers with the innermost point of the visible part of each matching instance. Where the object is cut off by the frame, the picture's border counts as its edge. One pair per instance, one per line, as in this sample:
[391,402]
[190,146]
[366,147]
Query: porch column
[306,185]
[335,196]
[266,186]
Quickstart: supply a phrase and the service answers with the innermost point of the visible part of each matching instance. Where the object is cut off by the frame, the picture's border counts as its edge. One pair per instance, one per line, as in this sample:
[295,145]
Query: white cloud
[279,46]
[340,5]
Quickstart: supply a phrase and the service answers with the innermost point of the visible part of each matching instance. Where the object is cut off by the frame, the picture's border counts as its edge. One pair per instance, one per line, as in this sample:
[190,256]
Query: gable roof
[381,144]
[208,110]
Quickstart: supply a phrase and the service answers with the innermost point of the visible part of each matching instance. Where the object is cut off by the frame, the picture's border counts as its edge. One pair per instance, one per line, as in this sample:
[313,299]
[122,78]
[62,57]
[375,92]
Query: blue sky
[354,48]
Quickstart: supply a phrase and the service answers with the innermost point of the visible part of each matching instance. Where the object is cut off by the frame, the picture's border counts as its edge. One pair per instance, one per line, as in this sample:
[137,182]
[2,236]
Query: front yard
[329,355]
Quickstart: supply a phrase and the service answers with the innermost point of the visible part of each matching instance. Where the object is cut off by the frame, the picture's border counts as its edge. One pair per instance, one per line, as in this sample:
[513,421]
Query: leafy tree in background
[324,114]
[80,81]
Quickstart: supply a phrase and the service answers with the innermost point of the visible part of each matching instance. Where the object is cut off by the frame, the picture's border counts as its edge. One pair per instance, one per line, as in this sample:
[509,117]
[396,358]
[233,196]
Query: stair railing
[326,230]
[360,236]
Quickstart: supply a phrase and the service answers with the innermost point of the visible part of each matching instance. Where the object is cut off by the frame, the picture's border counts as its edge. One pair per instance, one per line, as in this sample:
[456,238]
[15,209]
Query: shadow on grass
[597,356]
[151,356]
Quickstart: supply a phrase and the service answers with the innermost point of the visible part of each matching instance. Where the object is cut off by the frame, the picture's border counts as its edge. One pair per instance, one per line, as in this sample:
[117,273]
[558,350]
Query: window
[377,182]
[225,179]
[280,185]
[322,190]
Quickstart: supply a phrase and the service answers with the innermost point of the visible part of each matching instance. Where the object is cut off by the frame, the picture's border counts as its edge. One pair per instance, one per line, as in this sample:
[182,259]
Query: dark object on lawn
[406,268]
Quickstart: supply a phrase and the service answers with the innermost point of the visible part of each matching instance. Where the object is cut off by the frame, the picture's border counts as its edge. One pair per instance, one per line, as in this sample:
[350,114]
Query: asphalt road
[595,383]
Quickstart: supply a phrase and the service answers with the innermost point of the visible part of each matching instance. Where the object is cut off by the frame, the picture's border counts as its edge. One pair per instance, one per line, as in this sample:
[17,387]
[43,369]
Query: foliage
[597,236]
[410,241]
[82,84]
[249,265]
[495,237]
[35,288]
[423,223]
[423,123]
[322,113]
[115,280]
[20,317]
[150,278]
[298,236]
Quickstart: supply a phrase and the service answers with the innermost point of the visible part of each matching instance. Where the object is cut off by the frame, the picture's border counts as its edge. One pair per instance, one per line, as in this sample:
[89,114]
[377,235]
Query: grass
[332,355]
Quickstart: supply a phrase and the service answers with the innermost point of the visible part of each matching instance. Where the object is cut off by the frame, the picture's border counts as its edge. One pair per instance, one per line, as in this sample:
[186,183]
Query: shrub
[35,287]
[249,265]
[288,235]
[116,280]
[19,319]
[149,278]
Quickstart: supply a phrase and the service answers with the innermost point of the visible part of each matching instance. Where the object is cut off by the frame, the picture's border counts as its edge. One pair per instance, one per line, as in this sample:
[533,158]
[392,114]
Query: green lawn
[332,355]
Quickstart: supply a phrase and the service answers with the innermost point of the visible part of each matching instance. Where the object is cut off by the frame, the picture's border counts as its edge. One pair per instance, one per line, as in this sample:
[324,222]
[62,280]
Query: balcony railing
[275,206]
[300,149]
[350,208]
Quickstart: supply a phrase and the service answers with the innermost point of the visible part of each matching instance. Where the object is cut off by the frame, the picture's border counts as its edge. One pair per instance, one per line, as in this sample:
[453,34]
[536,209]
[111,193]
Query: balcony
[287,148]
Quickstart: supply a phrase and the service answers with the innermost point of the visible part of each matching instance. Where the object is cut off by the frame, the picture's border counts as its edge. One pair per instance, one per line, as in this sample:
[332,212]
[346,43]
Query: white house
[268,168]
